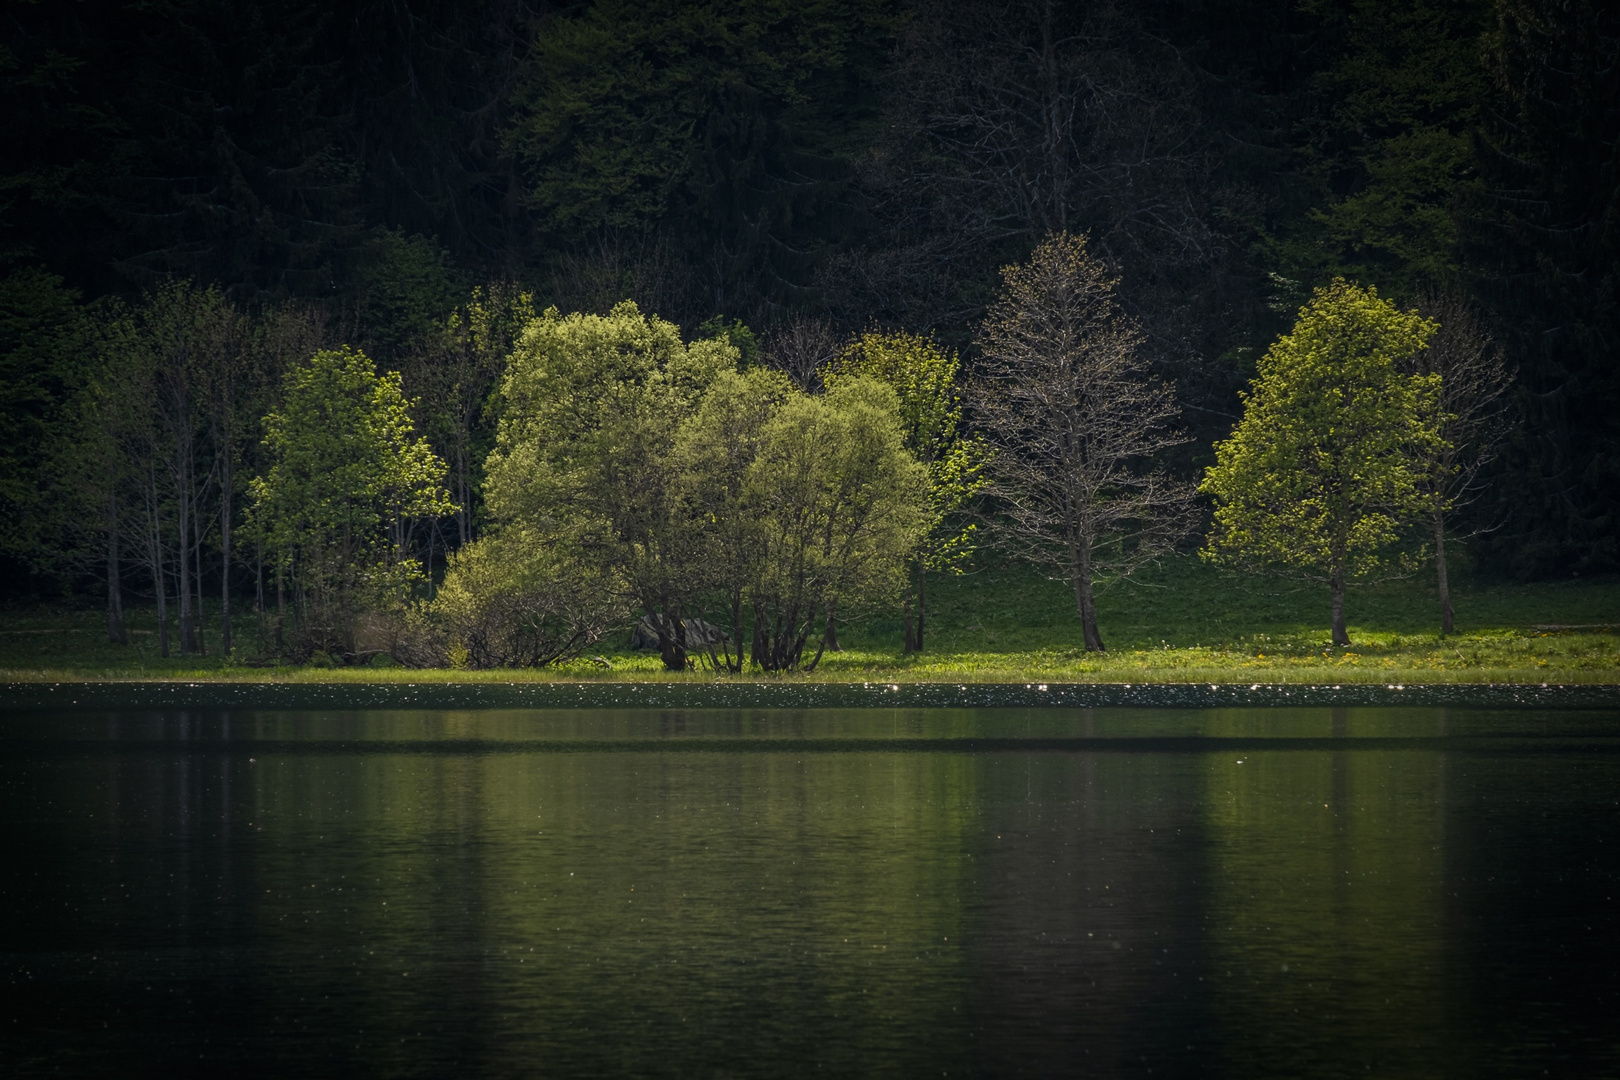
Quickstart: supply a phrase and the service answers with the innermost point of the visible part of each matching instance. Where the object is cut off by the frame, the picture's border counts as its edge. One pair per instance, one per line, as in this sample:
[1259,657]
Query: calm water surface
[1000,892]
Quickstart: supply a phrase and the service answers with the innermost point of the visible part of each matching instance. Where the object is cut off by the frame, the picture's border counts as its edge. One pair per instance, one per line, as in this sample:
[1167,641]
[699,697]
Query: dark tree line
[813,170]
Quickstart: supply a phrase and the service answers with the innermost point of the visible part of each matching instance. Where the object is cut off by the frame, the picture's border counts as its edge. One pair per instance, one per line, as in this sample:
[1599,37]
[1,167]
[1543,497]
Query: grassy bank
[1184,622]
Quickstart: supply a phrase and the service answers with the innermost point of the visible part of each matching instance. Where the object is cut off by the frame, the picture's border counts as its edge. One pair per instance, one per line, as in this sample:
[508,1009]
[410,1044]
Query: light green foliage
[841,504]
[712,456]
[346,476]
[686,484]
[590,406]
[923,374]
[511,600]
[1322,473]
[744,340]
[802,504]
[569,378]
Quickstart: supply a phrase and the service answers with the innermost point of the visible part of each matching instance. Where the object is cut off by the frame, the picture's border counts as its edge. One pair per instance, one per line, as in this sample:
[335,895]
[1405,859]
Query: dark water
[1108,892]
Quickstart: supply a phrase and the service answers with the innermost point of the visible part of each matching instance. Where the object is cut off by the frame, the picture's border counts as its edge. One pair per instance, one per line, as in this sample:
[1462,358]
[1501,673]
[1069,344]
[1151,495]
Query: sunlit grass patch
[1184,622]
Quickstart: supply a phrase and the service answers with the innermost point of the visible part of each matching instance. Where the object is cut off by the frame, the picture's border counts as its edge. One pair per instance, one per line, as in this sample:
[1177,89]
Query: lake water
[859,892]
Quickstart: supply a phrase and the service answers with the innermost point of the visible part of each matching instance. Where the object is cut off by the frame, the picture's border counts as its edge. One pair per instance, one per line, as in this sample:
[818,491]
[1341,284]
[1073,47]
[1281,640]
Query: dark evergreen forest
[414,177]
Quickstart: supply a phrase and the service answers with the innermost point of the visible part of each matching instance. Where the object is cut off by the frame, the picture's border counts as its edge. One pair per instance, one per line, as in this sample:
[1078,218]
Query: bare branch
[1065,397]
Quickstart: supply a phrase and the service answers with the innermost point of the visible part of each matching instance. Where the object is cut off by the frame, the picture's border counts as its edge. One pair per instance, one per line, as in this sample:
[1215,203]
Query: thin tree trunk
[225,562]
[1080,555]
[197,566]
[922,600]
[117,633]
[182,574]
[911,633]
[1447,625]
[829,640]
[281,603]
[160,585]
[736,635]
[816,659]
[463,522]
[1337,583]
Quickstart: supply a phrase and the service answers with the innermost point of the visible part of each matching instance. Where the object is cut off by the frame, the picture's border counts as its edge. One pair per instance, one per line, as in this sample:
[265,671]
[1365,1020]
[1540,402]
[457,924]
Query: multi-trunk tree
[590,406]
[691,487]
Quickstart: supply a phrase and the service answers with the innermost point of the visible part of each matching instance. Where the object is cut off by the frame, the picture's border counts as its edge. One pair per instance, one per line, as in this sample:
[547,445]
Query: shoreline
[344,696]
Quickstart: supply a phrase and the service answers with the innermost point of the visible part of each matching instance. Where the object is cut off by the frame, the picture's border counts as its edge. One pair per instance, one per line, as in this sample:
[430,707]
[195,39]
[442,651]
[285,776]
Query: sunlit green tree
[922,373]
[347,477]
[1325,469]
[803,504]
[590,406]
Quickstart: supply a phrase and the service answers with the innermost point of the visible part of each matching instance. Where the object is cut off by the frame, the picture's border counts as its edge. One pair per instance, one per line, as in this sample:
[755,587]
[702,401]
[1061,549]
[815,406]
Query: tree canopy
[346,476]
[791,177]
[1326,468]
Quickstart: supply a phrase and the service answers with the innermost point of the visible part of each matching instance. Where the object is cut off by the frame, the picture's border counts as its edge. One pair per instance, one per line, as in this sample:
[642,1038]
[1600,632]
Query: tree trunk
[910,635]
[117,633]
[182,572]
[225,563]
[197,565]
[736,634]
[463,486]
[161,587]
[829,640]
[814,660]
[922,600]
[1447,625]
[671,641]
[281,603]
[1340,638]
[1080,556]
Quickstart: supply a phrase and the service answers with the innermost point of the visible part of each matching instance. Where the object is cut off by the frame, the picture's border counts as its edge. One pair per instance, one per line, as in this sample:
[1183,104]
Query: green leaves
[686,485]
[922,373]
[346,474]
[1323,472]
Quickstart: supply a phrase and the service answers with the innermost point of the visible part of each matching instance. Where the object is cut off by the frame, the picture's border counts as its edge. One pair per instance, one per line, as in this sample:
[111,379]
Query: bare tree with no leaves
[1473,405]
[1065,398]
[800,348]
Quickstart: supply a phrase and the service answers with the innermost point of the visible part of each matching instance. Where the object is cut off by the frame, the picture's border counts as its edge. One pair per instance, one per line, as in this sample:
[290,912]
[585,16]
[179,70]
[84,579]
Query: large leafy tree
[923,374]
[347,474]
[804,504]
[841,506]
[590,406]
[713,453]
[1325,469]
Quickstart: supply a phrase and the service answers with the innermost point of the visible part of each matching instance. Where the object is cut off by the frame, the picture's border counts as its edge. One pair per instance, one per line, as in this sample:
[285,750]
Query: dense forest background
[395,174]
